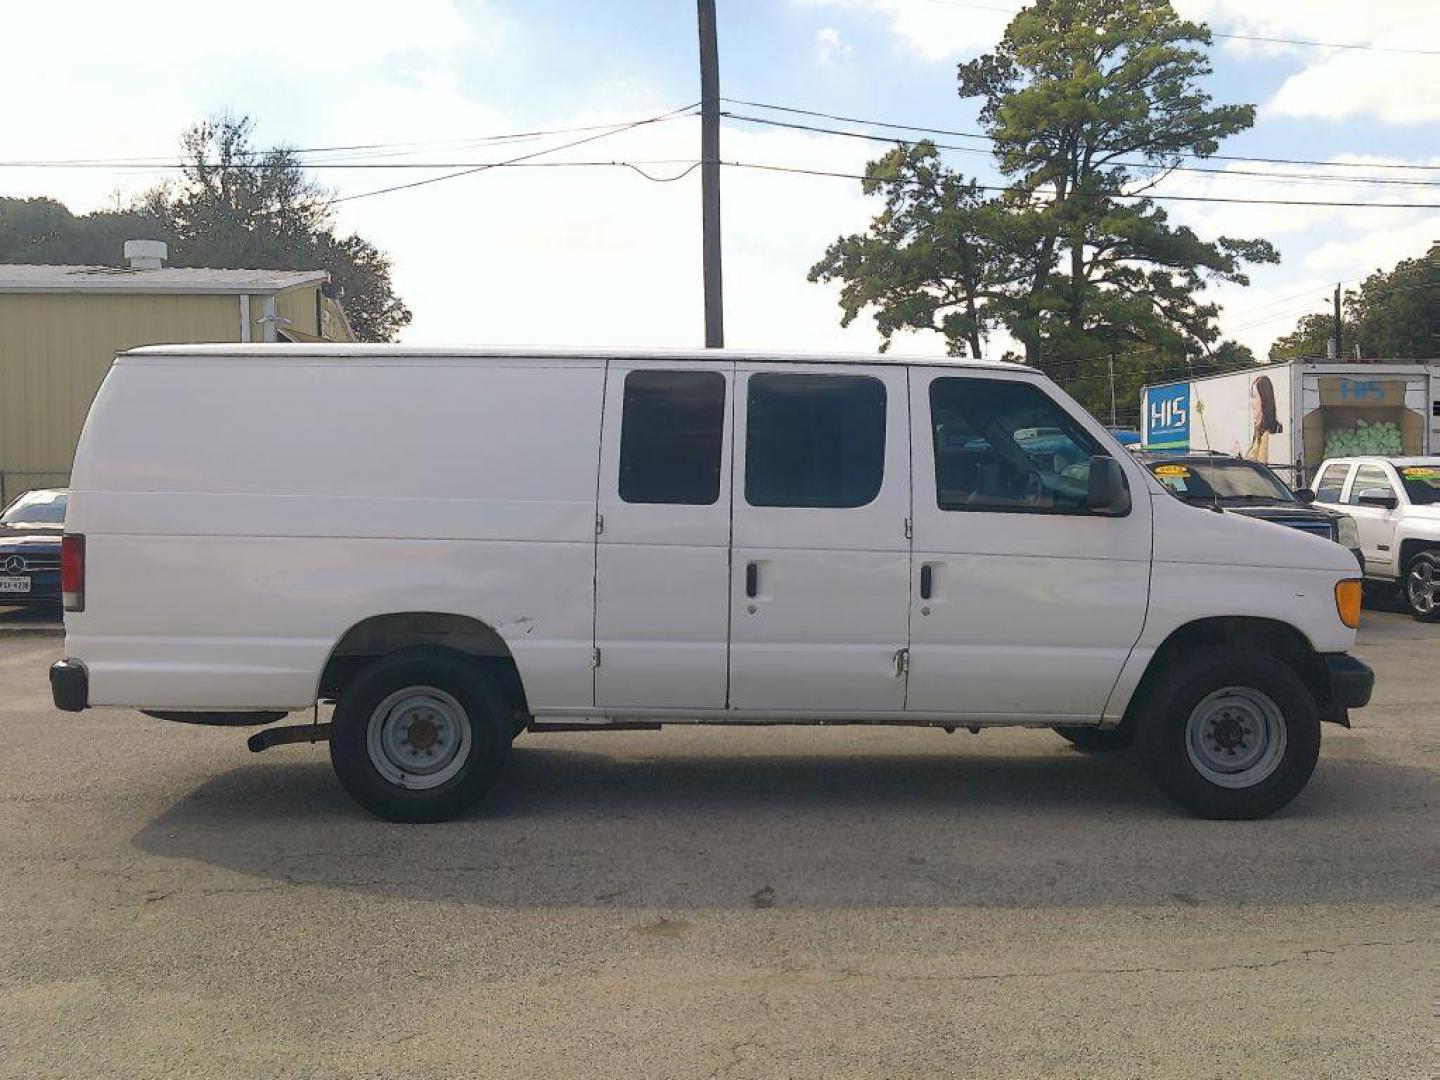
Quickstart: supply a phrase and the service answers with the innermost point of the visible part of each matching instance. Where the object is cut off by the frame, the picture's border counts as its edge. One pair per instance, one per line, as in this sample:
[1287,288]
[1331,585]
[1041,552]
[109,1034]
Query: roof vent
[146,254]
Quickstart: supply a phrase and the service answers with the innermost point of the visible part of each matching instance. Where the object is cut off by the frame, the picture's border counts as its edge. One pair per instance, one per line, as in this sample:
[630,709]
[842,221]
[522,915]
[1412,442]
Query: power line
[990,138]
[1082,195]
[153,161]
[1219,34]
[1129,164]
[512,161]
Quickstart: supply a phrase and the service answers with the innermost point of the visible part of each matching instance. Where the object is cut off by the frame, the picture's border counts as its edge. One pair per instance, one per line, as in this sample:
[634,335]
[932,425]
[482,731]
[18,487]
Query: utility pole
[1336,351]
[1112,390]
[710,175]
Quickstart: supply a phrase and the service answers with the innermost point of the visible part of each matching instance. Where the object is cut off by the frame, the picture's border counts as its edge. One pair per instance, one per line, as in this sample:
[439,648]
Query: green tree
[42,230]
[236,205]
[1391,316]
[1087,102]
[233,205]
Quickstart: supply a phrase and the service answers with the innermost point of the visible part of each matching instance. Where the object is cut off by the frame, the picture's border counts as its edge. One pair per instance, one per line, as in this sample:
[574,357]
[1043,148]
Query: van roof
[469,352]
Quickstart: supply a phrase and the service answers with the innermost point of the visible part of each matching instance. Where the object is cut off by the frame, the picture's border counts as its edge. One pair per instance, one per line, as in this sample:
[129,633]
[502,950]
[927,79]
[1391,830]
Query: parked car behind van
[1236,485]
[455,546]
[1396,505]
[30,529]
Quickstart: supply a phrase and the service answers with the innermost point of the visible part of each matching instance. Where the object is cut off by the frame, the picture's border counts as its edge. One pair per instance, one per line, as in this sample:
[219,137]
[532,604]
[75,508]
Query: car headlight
[1346,534]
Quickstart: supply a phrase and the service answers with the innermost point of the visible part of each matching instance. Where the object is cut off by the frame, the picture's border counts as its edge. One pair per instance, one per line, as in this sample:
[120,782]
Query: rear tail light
[72,571]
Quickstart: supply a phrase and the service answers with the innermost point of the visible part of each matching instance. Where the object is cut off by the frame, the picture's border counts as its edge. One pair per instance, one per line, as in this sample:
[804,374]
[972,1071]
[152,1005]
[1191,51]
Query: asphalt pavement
[840,902]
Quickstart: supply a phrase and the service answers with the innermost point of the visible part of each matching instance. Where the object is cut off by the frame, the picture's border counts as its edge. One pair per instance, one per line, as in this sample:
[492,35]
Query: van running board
[294,733]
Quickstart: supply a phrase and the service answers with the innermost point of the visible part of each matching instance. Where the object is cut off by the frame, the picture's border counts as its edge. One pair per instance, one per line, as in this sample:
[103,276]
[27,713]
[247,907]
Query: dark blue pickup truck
[30,530]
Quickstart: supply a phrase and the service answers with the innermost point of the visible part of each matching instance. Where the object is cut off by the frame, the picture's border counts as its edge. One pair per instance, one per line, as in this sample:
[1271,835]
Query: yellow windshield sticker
[1421,472]
[1166,472]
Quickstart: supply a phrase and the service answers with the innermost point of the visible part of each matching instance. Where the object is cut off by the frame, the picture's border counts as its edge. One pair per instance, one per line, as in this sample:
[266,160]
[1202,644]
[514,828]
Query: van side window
[1006,446]
[814,440]
[670,437]
[1331,483]
[1369,478]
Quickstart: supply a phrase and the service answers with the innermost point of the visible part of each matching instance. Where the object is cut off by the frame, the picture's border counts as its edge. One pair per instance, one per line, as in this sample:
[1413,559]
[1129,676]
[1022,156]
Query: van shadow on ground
[570,827]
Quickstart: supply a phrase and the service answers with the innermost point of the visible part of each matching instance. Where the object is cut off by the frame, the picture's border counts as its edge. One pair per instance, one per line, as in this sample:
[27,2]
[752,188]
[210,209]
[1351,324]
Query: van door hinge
[909,529]
[595,658]
[902,662]
[599,524]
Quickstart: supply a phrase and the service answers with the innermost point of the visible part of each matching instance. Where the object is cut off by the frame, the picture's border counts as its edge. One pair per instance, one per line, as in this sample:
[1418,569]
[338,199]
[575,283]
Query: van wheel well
[370,639]
[1276,639]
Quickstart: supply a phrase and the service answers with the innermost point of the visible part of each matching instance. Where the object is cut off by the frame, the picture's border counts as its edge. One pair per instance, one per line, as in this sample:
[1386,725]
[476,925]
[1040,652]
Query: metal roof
[41,278]
[530,352]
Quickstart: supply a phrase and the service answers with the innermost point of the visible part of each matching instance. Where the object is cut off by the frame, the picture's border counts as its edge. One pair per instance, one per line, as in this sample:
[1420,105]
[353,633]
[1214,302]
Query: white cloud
[1393,89]
[935,31]
[830,47]
[1319,244]
[1396,88]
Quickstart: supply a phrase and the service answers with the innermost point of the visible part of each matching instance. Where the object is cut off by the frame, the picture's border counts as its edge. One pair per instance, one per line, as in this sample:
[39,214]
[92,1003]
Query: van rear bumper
[69,685]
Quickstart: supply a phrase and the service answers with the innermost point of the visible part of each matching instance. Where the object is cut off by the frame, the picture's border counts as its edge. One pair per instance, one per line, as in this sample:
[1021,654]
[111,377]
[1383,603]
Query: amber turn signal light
[1347,601]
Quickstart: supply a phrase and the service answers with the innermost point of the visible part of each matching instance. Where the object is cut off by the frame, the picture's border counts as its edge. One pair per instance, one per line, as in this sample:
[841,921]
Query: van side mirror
[1382,497]
[1108,495]
[1305,495]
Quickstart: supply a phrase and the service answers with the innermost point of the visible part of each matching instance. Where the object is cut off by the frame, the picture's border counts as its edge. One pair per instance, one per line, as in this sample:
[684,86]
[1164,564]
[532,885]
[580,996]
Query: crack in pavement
[1304,956]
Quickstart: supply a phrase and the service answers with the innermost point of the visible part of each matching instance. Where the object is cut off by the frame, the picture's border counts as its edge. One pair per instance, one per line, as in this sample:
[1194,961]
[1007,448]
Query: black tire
[1164,726]
[1098,741]
[483,705]
[1422,575]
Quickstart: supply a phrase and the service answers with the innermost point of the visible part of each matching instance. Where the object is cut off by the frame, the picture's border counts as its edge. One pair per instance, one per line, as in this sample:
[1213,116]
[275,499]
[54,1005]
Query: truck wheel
[1229,734]
[1421,590]
[420,735]
[1098,741]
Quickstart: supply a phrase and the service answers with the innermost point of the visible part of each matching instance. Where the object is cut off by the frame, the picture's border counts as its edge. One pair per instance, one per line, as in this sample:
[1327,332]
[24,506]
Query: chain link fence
[15,481]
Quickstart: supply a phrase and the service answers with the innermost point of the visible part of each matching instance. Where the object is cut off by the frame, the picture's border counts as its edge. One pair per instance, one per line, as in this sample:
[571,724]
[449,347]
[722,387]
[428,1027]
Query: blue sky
[587,255]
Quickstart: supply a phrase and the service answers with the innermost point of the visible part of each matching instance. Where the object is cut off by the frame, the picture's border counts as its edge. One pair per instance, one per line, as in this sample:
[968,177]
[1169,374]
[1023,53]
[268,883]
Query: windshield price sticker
[1177,471]
[1421,472]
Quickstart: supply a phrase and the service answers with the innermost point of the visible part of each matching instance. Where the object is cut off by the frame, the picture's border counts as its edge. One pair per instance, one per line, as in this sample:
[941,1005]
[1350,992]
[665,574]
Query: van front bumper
[1349,685]
[69,685]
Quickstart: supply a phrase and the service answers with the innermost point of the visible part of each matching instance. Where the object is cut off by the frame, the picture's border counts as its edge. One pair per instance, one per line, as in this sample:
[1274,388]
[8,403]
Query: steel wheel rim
[1420,587]
[418,737]
[1236,737]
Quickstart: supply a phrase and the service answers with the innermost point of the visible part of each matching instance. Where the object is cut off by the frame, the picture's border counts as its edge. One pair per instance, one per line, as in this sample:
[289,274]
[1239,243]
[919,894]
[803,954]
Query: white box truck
[454,546]
[1293,416]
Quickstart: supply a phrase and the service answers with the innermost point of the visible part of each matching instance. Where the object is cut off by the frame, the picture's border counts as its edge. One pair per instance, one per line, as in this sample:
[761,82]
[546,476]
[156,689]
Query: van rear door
[662,556]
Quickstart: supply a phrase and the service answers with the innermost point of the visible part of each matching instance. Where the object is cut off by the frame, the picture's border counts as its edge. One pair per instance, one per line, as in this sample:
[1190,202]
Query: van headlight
[1346,534]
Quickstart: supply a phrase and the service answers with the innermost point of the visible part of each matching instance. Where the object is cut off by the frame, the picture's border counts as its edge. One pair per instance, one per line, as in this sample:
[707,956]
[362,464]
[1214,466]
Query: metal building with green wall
[61,326]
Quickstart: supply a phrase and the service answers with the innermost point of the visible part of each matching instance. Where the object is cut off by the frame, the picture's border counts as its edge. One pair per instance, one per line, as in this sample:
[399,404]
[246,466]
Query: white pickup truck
[1396,506]
[455,546]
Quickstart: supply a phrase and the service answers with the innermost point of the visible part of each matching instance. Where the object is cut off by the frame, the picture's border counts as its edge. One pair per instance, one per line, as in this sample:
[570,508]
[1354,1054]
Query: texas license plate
[14,584]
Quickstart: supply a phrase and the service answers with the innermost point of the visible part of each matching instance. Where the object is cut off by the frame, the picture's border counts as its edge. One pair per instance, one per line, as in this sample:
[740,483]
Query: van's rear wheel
[1230,735]
[420,735]
[1098,740]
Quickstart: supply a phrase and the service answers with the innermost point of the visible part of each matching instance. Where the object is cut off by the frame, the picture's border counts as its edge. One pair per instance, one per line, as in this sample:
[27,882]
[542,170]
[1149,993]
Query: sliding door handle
[752,580]
[927,580]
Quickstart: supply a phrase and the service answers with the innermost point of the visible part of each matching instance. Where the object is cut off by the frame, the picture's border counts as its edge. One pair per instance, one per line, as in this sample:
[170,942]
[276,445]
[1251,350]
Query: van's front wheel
[1230,735]
[420,735]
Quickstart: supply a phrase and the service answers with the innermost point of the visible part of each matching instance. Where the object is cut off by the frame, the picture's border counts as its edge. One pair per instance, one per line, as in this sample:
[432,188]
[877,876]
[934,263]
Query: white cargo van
[456,546]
